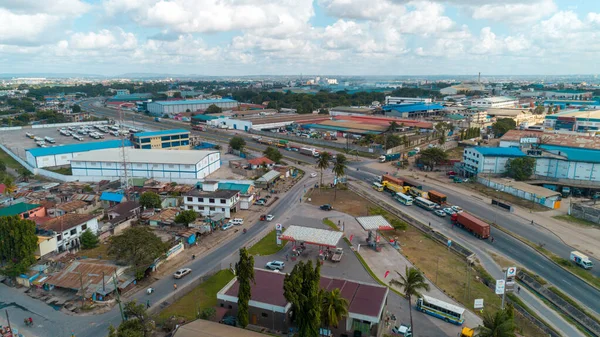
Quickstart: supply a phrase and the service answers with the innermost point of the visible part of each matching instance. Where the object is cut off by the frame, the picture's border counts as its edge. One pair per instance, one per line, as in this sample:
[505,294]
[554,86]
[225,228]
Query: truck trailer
[309,151]
[475,226]
[389,157]
[392,179]
[581,260]
[437,197]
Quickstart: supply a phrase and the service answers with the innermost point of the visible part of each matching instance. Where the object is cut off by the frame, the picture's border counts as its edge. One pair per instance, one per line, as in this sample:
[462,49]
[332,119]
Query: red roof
[260,161]
[2,188]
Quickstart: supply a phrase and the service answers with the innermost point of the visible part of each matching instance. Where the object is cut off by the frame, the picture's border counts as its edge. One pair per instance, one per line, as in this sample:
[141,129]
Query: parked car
[261,202]
[270,217]
[439,212]
[450,173]
[314,174]
[456,209]
[275,265]
[237,221]
[449,210]
[181,273]
[227,226]
[326,207]
[402,330]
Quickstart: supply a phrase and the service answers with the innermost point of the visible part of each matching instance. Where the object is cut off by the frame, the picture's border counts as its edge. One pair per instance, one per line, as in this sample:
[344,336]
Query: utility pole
[103,284]
[8,321]
[82,290]
[118,297]
[125,183]
[504,293]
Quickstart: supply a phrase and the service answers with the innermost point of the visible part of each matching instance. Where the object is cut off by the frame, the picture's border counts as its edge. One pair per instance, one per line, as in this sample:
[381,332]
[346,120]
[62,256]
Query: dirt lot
[345,201]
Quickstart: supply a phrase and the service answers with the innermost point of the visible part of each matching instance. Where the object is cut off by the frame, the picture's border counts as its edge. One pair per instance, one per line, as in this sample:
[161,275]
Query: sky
[293,37]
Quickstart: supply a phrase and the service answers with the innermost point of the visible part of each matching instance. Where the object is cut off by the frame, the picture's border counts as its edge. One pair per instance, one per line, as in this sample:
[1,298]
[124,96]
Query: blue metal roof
[81,147]
[499,151]
[196,101]
[573,154]
[160,133]
[412,107]
[111,196]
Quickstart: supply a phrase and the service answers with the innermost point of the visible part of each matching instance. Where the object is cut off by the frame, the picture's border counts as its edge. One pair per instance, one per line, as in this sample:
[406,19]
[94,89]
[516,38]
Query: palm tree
[323,164]
[411,284]
[497,324]
[339,169]
[9,186]
[334,308]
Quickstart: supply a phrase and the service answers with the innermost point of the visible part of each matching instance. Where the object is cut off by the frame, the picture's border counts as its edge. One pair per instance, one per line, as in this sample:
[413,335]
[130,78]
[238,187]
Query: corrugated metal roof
[269,176]
[195,101]
[499,151]
[204,117]
[582,155]
[111,196]
[82,147]
[412,107]
[310,235]
[374,222]
[184,157]
[161,133]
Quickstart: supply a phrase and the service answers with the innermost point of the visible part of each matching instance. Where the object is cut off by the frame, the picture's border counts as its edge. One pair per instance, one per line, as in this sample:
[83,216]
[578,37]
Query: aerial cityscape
[308,168]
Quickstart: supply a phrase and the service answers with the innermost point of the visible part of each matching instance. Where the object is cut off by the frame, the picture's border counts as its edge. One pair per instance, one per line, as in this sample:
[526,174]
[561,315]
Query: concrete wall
[585,212]
[552,202]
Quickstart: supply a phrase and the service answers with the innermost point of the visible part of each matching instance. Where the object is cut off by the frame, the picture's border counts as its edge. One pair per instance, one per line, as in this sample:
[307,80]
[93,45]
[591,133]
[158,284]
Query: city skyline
[257,37]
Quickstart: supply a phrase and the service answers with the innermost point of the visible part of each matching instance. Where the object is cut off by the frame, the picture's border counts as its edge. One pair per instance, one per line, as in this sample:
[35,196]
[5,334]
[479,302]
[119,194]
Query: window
[200,199]
[230,306]
[264,315]
[222,201]
[145,140]
[59,237]
[212,209]
[163,138]
[211,201]
[190,199]
[174,144]
[84,227]
[190,207]
[174,137]
[73,231]
[147,147]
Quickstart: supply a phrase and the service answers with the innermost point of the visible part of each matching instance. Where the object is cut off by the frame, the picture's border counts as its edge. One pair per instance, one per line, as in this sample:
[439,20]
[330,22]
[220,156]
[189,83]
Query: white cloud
[358,9]
[86,41]
[516,12]
[52,7]
[24,28]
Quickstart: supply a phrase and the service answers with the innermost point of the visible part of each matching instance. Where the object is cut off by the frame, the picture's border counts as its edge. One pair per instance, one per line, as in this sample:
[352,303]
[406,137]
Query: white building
[67,229]
[63,154]
[122,92]
[496,102]
[406,100]
[488,160]
[174,107]
[183,164]
[210,200]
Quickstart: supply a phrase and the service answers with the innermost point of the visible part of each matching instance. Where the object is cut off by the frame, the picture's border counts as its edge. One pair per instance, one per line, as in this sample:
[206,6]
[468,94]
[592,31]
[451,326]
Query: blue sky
[288,37]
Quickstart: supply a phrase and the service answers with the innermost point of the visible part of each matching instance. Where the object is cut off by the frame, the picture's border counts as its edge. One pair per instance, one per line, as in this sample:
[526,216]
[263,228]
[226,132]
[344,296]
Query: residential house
[165,218]
[109,199]
[256,163]
[45,246]
[269,308]
[210,200]
[67,228]
[24,210]
[122,215]
[75,206]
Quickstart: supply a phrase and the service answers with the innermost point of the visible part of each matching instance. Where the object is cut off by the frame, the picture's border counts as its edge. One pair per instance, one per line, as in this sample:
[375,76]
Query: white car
[456,209]
[449,210]
[275,265]
[181,273]
[227,226]
[314,174]
[270,217]
[237,221]
[439,212]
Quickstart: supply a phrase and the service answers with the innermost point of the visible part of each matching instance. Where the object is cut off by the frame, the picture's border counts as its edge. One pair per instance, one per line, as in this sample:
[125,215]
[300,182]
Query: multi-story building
[488,160]
[210,200]
[24,210]
[406,100]
[121,92]
[178,139]
[68,229]
[495,102]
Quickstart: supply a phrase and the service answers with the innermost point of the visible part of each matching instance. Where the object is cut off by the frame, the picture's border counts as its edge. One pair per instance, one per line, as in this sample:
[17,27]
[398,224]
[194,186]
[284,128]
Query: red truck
[475,226]
[392,179]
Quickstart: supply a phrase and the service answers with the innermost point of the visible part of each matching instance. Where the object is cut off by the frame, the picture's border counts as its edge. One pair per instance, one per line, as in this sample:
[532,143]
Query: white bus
[424,203]
[403,199]
[440,309]
[378,187]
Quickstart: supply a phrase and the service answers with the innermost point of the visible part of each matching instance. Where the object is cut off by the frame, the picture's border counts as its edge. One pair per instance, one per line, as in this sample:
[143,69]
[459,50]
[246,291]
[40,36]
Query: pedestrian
[174,286]
[531,222]
[430,225]
[147,304]
[287,256]
[492,239]
[518,289]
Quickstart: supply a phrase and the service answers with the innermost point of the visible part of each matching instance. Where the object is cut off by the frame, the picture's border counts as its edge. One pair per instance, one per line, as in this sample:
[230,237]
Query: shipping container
[437,197]
[475,226]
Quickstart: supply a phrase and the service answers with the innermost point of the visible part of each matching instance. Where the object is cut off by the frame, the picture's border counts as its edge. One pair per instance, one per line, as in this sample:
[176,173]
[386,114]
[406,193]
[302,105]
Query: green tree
[323,164]
[207,313]
[88,239]
[237,143]
[9,185]
[87,189]
[244,270]
[76,108]
[411,283]
[539,110]
[138,324]
[2,166]
[322,111]
[301,289]
[334,308]
[18,243]
[520,168]
[213,109]
[502,126]
[273,154]
[177,94]
[150,200]
[137,247]
[433,156]
[24,174]
[497,324]
[186,217]
[339,169]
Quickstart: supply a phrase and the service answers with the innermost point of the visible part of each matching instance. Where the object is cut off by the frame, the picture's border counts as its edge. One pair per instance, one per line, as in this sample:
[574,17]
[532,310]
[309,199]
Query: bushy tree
[432,156]
[244,270]
[520,168]
[137,247]
[237,143]
[301,289]
[150,200]
[88,239]
[138,324]
[18,243]
[76,108]
[2,166]
[497,324]
[186,217]
[273,154]
[213,109]
[503,125]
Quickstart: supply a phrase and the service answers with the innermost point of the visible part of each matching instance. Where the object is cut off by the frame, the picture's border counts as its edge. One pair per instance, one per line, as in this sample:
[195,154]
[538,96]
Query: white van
[77,137]
[237,221]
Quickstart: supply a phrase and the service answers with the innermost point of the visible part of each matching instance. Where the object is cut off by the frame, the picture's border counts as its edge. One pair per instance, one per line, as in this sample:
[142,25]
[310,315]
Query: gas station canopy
[315,236]
[373,223]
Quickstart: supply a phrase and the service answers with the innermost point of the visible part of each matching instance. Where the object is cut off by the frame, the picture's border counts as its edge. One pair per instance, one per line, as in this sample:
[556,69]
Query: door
[254,319]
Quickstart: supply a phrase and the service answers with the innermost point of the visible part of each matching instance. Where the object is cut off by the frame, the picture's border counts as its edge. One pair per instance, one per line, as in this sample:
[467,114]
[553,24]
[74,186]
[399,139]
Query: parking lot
[18,142]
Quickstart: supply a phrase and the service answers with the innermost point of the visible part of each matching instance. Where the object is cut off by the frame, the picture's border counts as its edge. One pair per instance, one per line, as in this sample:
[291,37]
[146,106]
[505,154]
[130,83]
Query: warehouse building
[150,164]
[496,102]
[178,139]
[175,107]
[412,110]
[62,155]
[580,121]
[488,160]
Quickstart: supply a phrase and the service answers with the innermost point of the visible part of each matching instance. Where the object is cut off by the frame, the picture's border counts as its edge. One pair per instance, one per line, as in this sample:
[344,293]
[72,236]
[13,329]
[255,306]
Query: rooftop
[315,236]
[269,176]
[540,192]
[557,139]
[582,155]
[160,133]
[72,206]
[17,209]
[203,328]
[66,222]
[499,151]
[260,161]
[496,99]
[352,109]
[124,208]
[77,272]
[413,107]
[204,117]
[195,101]
[81,147]
[375,222]
[577,114]
[243,188]
[185,157]
[111,196]
[165,216]
[219,194]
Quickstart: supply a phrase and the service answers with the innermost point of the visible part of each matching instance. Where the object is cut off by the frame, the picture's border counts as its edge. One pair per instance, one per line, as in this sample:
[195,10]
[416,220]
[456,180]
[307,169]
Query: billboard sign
[500,285]
[278,227]
[478,303]
[511,272]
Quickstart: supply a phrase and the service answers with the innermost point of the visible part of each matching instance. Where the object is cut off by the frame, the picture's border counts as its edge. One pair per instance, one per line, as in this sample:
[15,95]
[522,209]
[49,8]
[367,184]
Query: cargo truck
[437,197]
[412,183]
[393,188]
[581,260]
[417,193]
[309,151]
[392,179]
[475,226]
[389,157]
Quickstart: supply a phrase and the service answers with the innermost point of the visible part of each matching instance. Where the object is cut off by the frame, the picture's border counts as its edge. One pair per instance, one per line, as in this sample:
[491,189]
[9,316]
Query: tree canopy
[137,247]
[334,307]
[18,243]
[76,108]
[497,324]
[213,109]
[520,168]
[273,154]
[150,200]
[432,156]
[237,143]
[186,217]
[503,125]
[138,324]
[244,270]
[301,289]
[411,283]
[88,239]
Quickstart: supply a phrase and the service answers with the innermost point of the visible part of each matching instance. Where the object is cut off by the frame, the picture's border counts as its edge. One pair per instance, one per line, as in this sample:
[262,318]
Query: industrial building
[412,110]
[462,88]
[177,139]
[350,111]
[150,164]
[390,100]
[537,194]
[574,120]
[62,155]
[496,102]
[174,107]
[490,160]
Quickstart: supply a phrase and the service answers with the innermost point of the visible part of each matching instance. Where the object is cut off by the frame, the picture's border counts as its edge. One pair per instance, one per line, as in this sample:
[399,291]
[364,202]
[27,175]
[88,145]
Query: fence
[585,212]
[58,125]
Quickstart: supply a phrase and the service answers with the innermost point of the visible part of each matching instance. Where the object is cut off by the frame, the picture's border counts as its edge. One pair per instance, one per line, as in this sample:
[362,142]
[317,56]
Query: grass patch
[9,161]
[266,246]
[346,201]
[574,220]
[100,252]
[202,297]
[61,170]
[331,225]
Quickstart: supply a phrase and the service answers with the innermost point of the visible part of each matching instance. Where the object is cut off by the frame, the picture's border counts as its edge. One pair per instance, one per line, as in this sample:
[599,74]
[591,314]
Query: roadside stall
[325,240]
[374,225]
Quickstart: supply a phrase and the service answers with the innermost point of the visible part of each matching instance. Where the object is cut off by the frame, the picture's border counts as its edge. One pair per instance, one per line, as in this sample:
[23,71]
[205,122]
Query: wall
[585,212]
[46,247]
[563,169]
[58,125]
[552,202]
